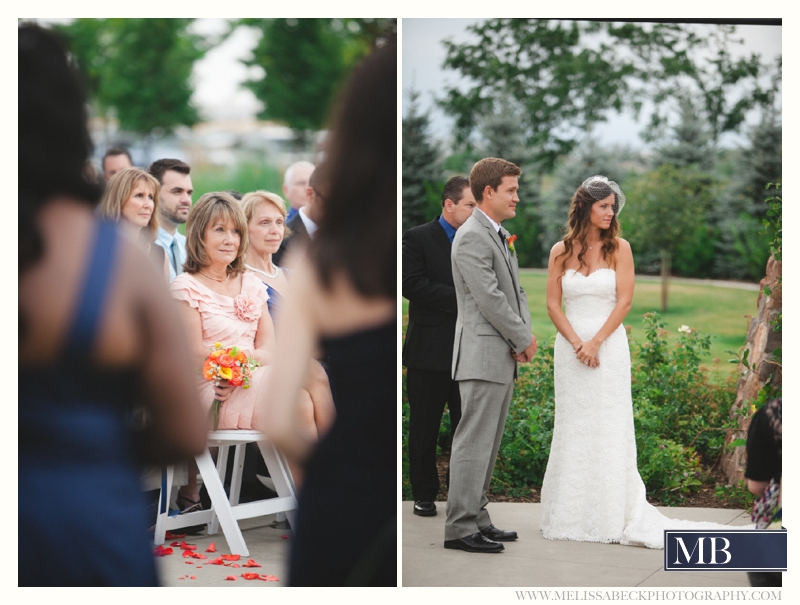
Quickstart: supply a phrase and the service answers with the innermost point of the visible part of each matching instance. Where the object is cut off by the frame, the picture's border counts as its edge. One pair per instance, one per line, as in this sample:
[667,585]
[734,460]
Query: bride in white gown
[592,490]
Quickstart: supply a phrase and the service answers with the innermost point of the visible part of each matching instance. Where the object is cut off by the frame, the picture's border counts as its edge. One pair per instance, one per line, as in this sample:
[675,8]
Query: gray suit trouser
[484,407]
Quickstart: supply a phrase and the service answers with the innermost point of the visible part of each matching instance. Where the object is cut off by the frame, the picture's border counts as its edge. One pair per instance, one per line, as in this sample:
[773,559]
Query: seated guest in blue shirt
[295,183]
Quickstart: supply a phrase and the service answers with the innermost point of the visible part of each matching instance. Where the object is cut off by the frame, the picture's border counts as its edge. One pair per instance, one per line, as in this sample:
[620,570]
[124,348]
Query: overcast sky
[423,55]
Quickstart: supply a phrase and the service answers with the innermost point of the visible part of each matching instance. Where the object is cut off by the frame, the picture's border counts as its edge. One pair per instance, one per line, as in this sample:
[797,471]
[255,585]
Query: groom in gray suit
[493,333]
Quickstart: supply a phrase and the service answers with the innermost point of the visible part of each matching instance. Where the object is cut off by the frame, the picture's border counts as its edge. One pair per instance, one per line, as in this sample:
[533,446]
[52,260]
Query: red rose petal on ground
[212,547]
[217,561]
[271,578]
[250,576]
[186,546]
[236,565]
[189,562]
[230,577]
[187,553]
[160,551]
[197,555]
[251,563]
[284,537]
[231,557]
[175,544]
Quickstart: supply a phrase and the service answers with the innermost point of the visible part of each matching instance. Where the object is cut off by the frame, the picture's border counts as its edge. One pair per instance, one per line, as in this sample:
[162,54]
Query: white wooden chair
[226,512]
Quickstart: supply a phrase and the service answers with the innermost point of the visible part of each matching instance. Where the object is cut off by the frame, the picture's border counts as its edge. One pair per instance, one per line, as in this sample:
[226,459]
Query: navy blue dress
[81,511]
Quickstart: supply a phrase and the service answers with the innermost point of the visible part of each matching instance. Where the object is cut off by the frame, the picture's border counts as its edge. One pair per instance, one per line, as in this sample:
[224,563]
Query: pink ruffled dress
[230,321]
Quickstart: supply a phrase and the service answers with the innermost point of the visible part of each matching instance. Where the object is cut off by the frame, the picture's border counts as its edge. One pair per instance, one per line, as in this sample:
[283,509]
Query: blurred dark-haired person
[114,160]
[763,473]
[343,298]
[98,334]
[176,200]
[428,348]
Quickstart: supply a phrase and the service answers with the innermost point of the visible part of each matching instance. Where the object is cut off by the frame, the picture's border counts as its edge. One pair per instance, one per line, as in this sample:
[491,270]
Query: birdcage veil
[599,187]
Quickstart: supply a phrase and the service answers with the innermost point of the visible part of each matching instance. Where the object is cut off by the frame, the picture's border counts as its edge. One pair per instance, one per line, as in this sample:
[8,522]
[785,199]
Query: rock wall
[762,340]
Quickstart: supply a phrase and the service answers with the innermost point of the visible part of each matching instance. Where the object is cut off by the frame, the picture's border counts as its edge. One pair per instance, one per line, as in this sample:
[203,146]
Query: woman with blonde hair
[132,195]
[266,224]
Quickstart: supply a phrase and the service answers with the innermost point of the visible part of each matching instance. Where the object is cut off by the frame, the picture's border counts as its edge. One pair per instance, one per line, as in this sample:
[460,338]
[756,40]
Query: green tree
[139,70]
[501,137]
[570,75]
[305,62]
[564,87]
[669,213]
[691,144]
[742,249]
[421,167]
[673,60]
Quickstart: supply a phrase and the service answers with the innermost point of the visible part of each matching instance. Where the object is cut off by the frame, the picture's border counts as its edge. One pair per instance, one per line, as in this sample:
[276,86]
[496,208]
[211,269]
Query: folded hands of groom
[528,353]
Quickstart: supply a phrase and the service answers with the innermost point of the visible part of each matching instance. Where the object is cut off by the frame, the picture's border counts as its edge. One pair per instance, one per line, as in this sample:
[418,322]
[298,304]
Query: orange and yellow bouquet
[230,364]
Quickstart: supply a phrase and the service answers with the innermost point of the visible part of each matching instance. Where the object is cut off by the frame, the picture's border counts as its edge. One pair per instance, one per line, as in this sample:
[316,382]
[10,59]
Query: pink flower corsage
[247,308]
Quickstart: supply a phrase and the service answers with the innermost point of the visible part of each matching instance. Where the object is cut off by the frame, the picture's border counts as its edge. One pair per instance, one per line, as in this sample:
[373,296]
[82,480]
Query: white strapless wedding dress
[592,491]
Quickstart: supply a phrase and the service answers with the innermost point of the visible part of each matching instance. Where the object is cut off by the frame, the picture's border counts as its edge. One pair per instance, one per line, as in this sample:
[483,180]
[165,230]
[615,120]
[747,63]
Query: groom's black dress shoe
[424,509]
[474,543]
[498,535]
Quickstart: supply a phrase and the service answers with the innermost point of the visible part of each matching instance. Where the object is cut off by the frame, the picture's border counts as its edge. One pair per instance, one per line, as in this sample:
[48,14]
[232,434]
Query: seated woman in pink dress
[222,303]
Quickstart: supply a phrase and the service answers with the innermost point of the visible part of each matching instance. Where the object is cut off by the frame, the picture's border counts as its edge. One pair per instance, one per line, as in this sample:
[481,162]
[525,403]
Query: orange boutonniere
[510,241]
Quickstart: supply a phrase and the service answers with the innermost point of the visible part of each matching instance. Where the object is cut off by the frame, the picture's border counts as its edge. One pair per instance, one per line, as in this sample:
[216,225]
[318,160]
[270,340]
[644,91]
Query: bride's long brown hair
[579,223]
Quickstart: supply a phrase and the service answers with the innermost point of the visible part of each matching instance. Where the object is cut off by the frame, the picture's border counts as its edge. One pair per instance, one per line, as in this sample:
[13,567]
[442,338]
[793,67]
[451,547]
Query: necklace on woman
[272,275]
[215,278]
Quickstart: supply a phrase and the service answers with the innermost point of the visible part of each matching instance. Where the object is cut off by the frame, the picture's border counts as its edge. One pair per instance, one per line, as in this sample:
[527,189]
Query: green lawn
[724,313]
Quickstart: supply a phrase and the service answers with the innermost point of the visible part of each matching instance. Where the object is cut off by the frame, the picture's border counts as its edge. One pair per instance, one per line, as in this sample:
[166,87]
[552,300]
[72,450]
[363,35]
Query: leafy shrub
[680,418]
[525,448]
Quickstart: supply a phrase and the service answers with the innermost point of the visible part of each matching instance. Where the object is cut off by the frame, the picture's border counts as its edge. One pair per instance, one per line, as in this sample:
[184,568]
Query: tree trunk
[666,269]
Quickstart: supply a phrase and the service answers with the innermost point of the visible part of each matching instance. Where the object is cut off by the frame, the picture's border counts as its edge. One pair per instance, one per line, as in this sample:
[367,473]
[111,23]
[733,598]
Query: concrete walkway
[533,561]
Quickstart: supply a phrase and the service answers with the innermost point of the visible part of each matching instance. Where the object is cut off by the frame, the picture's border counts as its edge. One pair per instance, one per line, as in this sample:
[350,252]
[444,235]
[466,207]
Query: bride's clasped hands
[586,352]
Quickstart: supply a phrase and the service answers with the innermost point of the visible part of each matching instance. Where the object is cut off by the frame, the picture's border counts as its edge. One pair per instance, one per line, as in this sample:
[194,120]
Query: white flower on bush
[685,329]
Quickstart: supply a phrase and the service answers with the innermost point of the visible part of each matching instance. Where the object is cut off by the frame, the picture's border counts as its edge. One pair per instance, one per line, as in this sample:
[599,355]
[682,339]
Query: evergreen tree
[742,249]
[421,168]
[502,137]
[691,143]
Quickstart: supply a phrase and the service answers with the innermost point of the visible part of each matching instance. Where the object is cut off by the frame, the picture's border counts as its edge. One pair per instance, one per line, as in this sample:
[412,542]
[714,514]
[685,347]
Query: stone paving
[533,561]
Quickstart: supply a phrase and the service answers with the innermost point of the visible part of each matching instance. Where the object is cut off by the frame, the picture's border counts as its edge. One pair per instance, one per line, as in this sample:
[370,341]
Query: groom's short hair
[490,171]
[454,189]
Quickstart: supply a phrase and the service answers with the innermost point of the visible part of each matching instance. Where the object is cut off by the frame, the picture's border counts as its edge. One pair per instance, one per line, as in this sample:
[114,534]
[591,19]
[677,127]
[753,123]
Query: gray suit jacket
[493,314]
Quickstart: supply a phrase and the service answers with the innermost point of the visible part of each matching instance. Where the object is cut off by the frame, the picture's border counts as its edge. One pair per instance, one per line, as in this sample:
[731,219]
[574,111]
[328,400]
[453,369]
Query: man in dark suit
[304,223]
[428,349]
